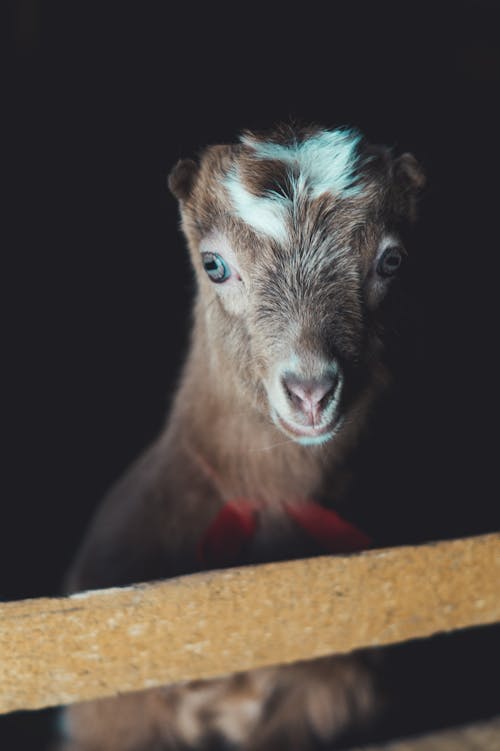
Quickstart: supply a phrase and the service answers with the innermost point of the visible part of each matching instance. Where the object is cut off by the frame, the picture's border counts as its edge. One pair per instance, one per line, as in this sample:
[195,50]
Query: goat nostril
[310,395]
[325,400]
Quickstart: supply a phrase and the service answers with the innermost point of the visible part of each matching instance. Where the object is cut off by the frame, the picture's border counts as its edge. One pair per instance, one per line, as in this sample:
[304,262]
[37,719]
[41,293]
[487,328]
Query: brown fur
[220,443]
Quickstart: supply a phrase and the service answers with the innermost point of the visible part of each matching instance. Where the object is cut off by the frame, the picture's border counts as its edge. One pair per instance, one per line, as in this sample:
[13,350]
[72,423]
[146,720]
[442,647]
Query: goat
[294,239]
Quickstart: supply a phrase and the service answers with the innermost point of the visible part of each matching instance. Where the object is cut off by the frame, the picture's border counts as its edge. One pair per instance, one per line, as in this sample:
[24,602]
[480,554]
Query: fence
[93,644]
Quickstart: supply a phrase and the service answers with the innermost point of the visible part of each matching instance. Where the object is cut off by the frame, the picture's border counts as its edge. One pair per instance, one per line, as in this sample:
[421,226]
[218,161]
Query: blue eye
[216,267]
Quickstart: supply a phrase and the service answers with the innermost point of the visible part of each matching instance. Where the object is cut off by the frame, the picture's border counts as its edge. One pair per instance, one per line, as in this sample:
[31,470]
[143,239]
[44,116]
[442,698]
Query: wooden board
[95,644]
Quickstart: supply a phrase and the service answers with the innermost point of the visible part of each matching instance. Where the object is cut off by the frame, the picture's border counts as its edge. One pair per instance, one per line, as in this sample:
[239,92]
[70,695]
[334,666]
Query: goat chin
[289,240]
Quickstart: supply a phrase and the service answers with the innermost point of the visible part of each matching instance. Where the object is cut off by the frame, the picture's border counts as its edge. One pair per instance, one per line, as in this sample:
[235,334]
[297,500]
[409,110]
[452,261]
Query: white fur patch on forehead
[323,163]
[265,214]
[326,161]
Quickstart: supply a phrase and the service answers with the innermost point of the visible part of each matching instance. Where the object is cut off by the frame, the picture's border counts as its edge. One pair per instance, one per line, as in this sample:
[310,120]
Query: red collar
[236,523]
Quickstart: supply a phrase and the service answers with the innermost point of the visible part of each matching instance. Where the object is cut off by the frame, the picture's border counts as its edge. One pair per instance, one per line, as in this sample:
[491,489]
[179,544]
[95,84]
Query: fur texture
[302,218]
[326,162]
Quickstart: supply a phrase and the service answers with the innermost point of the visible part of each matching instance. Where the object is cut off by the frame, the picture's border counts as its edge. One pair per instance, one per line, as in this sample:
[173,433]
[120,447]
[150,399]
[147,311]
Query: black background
[102,100]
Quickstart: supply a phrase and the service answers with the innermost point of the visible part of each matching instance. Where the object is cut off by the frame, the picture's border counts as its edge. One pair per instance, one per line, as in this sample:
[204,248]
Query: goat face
[294,239]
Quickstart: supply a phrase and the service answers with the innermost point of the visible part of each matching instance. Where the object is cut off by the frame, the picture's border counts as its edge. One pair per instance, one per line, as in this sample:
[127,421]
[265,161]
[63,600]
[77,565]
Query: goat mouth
[308,435]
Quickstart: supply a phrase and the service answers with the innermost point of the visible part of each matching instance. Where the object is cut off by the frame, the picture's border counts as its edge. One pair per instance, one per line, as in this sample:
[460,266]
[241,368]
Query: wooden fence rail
[96,644]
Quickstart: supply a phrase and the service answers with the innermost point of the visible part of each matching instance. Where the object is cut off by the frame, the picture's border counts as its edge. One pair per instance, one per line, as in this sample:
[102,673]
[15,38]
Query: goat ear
[182,178]
[409,179]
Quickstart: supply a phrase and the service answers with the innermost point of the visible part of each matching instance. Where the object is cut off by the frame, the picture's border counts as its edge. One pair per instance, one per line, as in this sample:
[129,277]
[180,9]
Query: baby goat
[294,240]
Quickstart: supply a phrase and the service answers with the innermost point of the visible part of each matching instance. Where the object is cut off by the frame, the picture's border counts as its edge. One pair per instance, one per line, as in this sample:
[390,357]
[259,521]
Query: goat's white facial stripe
[326,161]
[266,215]
[323,163]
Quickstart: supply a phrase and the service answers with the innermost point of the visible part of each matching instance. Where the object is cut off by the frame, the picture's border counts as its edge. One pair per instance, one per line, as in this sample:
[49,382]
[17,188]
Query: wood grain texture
[95,644]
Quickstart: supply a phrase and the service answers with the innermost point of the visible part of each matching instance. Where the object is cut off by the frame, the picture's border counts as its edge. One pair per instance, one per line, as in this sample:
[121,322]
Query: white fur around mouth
[307,435]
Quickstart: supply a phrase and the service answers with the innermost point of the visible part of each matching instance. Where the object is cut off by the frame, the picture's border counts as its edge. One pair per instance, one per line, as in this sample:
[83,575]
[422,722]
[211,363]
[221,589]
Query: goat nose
[310,395]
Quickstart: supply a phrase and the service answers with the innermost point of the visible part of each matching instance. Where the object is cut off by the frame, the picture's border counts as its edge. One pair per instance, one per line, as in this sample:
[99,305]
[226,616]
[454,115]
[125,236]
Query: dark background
[102,99]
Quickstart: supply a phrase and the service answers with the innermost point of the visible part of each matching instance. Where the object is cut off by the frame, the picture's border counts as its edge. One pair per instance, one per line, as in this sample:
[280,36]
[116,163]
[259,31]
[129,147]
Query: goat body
[294,240]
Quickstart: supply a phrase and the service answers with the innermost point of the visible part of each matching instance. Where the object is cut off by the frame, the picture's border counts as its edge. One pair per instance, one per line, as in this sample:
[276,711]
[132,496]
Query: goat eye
[390,261]
[216,267]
